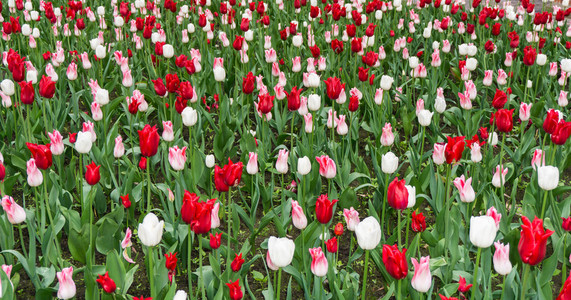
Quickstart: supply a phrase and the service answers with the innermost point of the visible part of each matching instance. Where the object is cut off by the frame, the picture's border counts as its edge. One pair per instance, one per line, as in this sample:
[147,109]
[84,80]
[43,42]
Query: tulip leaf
[78,242]
[116,270]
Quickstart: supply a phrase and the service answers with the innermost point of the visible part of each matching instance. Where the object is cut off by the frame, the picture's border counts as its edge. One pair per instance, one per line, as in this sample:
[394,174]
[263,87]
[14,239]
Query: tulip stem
[545,193]
[524,283]
[228,216]
[385,201]
[323,237]
[503,288]
[564,271]
[278,290]
[421,150]
[407,226]
[151,281]
[365,269]
[475,281]
[189,263]
[148,185]
[22,241]
[397,292]
[502,169]
[446,203]
[399,229]
[201,283]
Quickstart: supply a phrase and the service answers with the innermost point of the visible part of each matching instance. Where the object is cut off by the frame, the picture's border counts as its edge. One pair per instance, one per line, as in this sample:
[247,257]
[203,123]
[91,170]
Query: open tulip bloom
[422,135]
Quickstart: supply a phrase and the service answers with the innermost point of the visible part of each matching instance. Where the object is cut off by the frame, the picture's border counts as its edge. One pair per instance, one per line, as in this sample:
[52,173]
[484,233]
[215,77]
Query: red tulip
[107,284]
[454,149]
[463,287]
[266,103]
[338,230]
[566,224]
[125,200]
[337,46]
[47,87]
[149,140]
[353,103]
[215,240]
[248,83]
[504,120]
[92,175]
[237,263]
[533,241]
[185,90]
[2,171]
[180,61]
[418,223]
[395,261]
[42,154]
[500,99]
[143,163]
[171,260]
[324,209]
[561,133]
[237,44]
[357,44]
[27,92]
[173,83]
[334,87]
[397,194]
[332,245]
[235,290]
[351,30]
[293,102]
[134,106]
[180,104]
[160,88]
[315,51]
[529,55]
[551,121]
[363,74]
[197,214]
[565,293]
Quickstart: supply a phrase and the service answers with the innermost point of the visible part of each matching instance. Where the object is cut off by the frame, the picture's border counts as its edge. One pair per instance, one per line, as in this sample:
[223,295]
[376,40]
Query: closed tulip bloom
[218,69]
[327,167]
[499,180]
[387,137]
[533,241]
[27,92]
[418,223]
[386,82]
[83,142]
[281,163]
[15,213]
[465,189]
[397,194]
[438,154]
[119,149]
[548,177]
[168,134]
[281,251]
[66,285]
[56,142]
[331,245]
[368,233]
[7,87]
[215,242]
[2,171]
[324,209]
[47,87]
[235,290]
[149,140]
[411,195]
[319,263]
[308,118]
[35,177]
[422,279]
[303,165]
[102,96]
[501,259]
[389,163]
[42,155]
[151,230]
[425,117]
[482,231]
[177,158]
[342,128]
[209,161]
[504,120]
[252,166]
[298,217]
[189,116]
[395,261]
[351,218]
[454,148]
[96,112]
[237,263]
[92,175]
[107,284]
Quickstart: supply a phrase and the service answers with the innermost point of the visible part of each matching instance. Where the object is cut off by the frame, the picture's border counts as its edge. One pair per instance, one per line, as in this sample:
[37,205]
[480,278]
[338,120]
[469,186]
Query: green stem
[397,292]
[446,209]
[503,288]
[564,271]
[407,226]
[421,150]
[278,290]
[148,185]
[524,283]
[22,241]
[151,279]
[544,203]
[475,281]
[385,200]
[200,266]
[364,288]
[189,262]
[399,229]
[502,168]
[323,237]
[228,216]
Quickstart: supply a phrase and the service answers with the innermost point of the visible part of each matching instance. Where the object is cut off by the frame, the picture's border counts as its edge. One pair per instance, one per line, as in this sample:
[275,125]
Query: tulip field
[285,149]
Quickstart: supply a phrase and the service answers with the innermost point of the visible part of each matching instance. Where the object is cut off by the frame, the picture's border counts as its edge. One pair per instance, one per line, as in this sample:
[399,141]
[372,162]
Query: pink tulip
[299,219]
[438,154]
[387,138]
[492,212]
[351,218]
[96,112]
[465,189]
[168,134]
[89,127]
[66,285]
[465,101]
[252,166]
[501,259]
[214,218]
[56,142]
[331,116]
[71,72]
[8,270]
[496,180]
[127,239]
[35,177]
[342,127]
[296,64]
[319,264]
[487,81]
[562,100]
[538,159]
[379,96]
[127,79]
[502,78]
[308,122]
[553,69]
[177,158]
[15,213]
[119,149]
[281,163]
[422,279]
[327,167]
[524,111]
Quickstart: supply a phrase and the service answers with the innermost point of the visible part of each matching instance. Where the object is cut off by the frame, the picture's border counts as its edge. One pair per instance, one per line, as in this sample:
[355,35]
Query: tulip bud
[482,231]
[15,213]
[83,142]
[35,177]
[422,279]
[548,177]
[100,52]
[280,251]
[368,233]
[252,166]
[151,230]
[319,265]
[209,161]
[189,116]
[303,165]
[389,163]
[299,219]
[281,163]
[67,288]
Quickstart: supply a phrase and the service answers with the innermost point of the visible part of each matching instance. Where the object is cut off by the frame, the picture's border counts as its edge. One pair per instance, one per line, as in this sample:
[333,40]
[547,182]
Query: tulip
[177,158]
[504,120]
[497,180]
[331,245]
[159,86]
[151,230]
[107,284]
[334,87]
[351,218]
[102,97]
[548,177]
[462,286]
[389,163]
[66,285]
[35,177]
[237,263]
[303,165]
[411,196]
[215,241]
[395,261]
[227,177]
[482,231]
[15,213]
[454,148]
[566,290]
[149,140]
[319,263]
[235,290]
[313,102]
[324,209]
[56,142]
[7,87]
[368,233]
[438,153]
[397,194]
[293,99]
[500,99]
[41,154]
[83,142]
[561,133]
[2,171]
[327,167]
[465,189]
[422,279]
[424,117]
[386,82]
[533,241]
[298,217]
[252,166]
[281,163]
[47,87]
[92,175]
[551,121]
[218,69]
[209,161]
[418,223]
[189,116]
[27,92]
[501,259]
[281,251]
